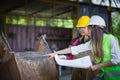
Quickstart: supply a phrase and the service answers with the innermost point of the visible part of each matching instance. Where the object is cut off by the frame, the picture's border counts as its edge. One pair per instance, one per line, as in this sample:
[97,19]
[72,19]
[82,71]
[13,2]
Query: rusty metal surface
[25,65]
[33,66]
[8,67]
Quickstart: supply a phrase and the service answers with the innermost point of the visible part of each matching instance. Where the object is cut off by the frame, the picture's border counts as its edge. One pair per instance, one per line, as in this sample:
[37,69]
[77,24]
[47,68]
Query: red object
[69,57]
[75,42]
[96,73]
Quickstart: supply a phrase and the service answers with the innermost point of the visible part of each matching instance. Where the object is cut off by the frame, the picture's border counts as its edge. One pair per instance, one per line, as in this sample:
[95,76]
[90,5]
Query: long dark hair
[96,41]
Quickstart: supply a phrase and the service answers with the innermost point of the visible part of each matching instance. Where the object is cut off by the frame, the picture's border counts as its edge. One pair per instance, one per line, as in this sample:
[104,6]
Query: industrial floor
[65,73]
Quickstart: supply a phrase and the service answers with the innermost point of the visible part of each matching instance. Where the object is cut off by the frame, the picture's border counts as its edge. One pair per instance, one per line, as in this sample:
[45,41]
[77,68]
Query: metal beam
[65,3]
[42,9]
[65,11]
[16,7]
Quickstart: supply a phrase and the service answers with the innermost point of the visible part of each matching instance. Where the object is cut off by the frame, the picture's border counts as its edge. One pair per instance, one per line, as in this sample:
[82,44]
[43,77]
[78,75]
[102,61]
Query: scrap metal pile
[25,65]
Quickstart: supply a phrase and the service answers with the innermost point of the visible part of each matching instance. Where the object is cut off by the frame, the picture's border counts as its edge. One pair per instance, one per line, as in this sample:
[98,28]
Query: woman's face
[89,29]
[83,31]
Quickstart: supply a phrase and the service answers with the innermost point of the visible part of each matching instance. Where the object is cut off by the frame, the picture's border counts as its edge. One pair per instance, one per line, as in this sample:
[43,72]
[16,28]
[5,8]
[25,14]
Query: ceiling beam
[65,3]
[16,7]
[42,9]
[60,13]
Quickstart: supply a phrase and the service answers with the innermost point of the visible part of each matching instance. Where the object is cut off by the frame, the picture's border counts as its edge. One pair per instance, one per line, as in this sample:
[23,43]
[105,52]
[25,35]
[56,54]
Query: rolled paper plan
[83,62]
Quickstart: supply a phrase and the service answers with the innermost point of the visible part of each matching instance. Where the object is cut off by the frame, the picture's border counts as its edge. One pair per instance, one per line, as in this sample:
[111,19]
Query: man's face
[83,31]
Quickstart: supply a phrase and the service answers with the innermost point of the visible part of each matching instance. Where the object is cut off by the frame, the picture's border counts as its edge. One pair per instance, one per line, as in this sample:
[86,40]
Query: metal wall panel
[93,10]
[23,38]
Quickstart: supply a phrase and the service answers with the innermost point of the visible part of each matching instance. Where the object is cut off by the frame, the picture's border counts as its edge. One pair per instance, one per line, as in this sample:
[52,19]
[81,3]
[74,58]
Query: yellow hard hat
[83,21]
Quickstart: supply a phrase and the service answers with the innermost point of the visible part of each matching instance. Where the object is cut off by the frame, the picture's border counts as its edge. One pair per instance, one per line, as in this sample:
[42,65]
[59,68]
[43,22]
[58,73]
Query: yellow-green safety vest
[112,72]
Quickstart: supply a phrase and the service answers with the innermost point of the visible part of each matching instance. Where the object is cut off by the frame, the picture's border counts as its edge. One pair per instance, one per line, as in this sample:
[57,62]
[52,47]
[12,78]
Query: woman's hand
[93,68]
[50,55]
[101,65]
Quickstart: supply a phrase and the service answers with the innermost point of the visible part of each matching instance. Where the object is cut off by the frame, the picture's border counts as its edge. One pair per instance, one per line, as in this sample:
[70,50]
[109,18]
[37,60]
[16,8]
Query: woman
[105,50]
[78,73]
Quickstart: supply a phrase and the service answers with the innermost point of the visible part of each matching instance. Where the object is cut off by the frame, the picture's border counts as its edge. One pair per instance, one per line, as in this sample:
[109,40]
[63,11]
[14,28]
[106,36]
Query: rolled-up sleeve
[115,52]
[80,48]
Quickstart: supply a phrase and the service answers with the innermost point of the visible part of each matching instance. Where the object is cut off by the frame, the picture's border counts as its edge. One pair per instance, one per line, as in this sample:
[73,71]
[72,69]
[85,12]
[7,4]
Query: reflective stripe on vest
[112,74]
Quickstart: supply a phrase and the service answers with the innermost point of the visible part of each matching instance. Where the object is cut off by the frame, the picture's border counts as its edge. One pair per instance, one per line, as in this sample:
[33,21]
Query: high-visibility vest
[112,72]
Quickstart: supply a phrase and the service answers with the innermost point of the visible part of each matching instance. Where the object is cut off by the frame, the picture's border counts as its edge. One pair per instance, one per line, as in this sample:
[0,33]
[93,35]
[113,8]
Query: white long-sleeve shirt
[114,47]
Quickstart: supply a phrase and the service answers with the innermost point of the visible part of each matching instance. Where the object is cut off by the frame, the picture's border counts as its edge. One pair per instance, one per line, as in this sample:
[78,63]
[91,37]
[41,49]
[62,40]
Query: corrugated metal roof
[112,3]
